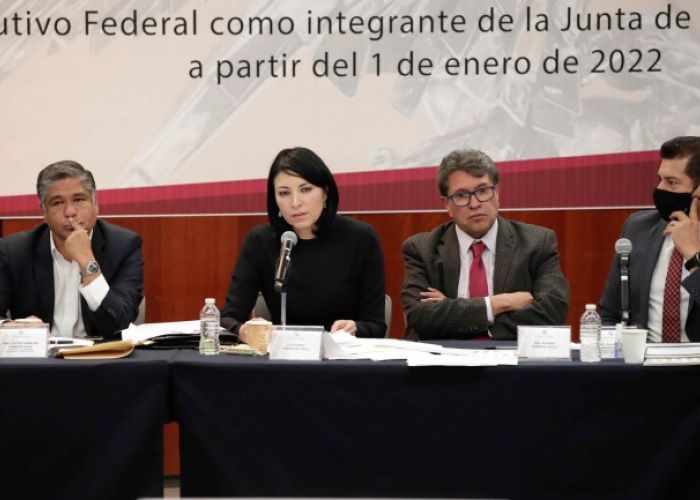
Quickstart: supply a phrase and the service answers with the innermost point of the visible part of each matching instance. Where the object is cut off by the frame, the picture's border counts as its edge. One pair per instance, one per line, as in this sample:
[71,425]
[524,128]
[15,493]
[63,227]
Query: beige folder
[105,350]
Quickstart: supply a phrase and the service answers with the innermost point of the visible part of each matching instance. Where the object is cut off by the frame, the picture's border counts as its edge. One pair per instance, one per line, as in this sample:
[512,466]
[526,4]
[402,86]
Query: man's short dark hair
[303,163]
[684,147]
[63,170]
[470,161]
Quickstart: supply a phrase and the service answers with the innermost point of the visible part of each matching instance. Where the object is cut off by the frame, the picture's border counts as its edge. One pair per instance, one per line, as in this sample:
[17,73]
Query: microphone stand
[625,288]
[283,307]
[281,287]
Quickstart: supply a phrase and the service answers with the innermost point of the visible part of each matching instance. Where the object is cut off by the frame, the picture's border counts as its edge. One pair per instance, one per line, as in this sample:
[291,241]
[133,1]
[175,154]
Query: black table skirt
[252,427]
[83,428]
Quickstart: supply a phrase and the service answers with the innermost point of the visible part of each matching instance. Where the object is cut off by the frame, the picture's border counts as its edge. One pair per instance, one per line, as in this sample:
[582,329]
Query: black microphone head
[623,246]
[289,236]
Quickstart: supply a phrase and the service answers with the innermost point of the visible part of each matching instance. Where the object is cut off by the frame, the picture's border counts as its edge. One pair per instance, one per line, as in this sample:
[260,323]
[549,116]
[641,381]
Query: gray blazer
[645,230]
[527,259]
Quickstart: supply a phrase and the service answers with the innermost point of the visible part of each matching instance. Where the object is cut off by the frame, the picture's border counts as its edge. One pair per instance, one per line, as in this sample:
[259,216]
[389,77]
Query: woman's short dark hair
[304,163]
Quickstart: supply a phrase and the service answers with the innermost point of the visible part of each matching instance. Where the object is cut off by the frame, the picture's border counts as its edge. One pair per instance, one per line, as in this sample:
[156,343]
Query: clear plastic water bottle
[209,326]
[590,335]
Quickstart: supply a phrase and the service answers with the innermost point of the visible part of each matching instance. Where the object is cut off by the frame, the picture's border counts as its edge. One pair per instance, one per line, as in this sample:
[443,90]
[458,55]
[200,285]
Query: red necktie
[478,285]
[672,300]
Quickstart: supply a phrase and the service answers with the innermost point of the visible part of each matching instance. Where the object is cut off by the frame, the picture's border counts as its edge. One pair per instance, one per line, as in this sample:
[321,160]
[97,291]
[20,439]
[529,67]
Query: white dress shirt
[488,258]
[67,318]
[656,295]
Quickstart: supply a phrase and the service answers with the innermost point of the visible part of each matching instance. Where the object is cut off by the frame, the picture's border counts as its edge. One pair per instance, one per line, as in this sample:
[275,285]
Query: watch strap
[693,262]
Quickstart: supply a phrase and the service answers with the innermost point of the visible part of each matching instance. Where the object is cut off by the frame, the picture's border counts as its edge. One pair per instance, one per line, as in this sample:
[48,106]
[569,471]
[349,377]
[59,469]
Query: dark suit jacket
[645,230]
[526,260]
[26,277]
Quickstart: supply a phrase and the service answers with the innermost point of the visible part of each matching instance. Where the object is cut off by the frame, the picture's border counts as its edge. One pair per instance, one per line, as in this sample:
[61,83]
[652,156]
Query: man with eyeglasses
[82,276]
[479,275]
[664,281]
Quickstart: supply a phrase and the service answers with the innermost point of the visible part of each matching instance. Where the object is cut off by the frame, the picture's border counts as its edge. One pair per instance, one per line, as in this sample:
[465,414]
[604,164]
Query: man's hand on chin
[78,246]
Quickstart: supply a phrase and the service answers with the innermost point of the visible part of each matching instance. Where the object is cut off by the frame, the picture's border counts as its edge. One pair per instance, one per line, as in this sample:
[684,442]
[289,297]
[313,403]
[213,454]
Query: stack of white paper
[469,357]
[341,345]
[149,330]
[681,354]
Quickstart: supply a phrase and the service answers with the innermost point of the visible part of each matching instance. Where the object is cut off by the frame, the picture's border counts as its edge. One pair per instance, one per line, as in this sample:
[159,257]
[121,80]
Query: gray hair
[63,170]
[470,161]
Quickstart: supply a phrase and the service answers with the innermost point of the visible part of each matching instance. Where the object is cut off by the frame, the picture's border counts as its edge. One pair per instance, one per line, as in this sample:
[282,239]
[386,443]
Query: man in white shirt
[663,283]
[480,275]
[81,275]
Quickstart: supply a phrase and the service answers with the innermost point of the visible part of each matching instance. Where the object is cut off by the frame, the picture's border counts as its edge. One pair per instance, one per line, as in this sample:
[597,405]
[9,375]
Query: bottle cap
[210,301]
[590,307]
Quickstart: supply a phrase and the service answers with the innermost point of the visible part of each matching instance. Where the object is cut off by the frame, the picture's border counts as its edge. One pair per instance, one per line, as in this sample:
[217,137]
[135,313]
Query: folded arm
[431,319]
[550,293]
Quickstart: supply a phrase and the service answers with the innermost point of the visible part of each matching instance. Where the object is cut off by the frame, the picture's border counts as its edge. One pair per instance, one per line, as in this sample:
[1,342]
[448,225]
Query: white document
[471,357]
[337,345]
[342,345]
[544,342]
[150,330]
[345,346]
[24,342]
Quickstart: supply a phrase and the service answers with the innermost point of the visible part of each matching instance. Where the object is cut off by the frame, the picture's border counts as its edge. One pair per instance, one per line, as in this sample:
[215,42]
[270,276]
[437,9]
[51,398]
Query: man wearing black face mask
[661,272]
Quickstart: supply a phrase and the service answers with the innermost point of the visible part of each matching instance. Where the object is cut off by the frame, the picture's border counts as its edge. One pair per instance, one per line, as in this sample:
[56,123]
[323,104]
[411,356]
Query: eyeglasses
[462,198]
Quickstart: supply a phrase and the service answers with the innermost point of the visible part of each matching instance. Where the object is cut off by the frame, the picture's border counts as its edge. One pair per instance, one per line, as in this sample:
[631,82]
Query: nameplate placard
[544,342]
[296,343]
[607,342]
[24,342]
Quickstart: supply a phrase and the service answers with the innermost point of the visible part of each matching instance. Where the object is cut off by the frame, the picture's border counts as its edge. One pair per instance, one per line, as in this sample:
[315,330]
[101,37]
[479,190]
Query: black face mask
[668,202]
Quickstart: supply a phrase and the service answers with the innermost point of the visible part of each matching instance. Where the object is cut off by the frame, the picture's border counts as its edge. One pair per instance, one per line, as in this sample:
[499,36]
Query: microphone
[288,239]
[623,248]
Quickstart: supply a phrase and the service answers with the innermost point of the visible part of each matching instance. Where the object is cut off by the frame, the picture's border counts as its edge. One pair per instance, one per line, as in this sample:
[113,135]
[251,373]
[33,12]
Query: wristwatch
[693,262]
[91,269]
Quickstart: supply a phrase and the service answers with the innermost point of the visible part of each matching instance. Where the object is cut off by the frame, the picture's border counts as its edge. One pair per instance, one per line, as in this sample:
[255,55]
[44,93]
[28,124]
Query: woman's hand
[344,324]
